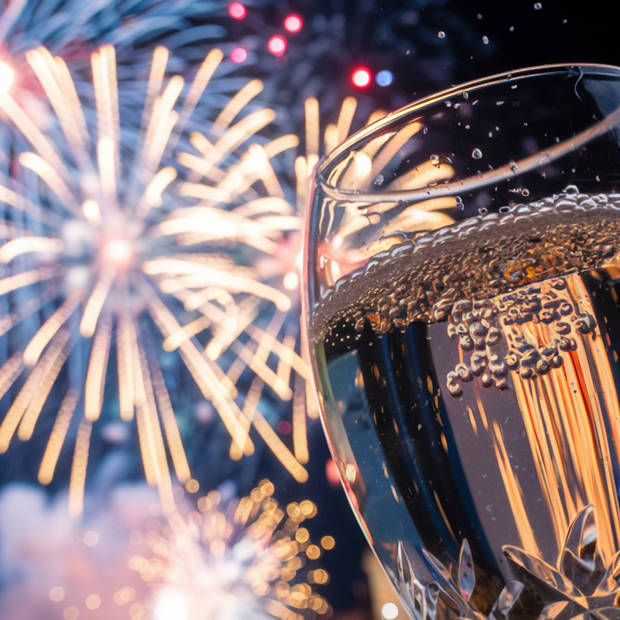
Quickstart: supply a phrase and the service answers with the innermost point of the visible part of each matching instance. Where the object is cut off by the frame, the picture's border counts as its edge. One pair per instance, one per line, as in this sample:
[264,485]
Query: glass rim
[499,174]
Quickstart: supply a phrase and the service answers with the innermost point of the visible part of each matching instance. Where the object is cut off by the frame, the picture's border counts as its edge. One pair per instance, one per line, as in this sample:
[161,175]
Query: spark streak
[130,239]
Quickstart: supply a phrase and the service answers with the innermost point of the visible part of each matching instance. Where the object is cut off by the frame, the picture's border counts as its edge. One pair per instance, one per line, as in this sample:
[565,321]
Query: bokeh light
[293,23]
[239,55]
[236,10]
[277,45]
[384,77]
[361,77]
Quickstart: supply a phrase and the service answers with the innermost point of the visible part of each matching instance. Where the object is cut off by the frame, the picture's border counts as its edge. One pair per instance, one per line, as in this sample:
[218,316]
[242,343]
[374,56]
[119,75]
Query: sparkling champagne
[470,382]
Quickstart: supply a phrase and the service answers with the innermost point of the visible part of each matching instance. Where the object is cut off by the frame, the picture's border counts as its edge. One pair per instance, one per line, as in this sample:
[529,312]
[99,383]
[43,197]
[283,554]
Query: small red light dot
[236,10]
[293,23]
[284,427]
[277,45]
[239,55]
[360,78]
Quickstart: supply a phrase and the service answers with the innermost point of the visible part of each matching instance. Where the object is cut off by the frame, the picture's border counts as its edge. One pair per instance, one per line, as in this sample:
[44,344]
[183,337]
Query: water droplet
[435,160]
[441,34]
[379,179]
[476,153]
[485,39]
[483,210]
[525,192]
[511,29]
[537,6]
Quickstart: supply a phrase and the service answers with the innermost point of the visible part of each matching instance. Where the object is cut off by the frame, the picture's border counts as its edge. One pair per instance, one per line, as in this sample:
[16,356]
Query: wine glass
[462,279]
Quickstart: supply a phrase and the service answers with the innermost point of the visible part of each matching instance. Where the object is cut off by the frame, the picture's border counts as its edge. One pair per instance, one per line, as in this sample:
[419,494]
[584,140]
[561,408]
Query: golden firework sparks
[118,230]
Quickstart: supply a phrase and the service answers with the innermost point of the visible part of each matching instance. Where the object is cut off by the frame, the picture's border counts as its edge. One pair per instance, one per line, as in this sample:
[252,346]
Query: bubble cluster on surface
[480,258]
[498,336]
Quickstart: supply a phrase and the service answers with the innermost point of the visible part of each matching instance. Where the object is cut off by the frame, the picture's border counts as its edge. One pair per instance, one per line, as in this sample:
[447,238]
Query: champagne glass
[462,279]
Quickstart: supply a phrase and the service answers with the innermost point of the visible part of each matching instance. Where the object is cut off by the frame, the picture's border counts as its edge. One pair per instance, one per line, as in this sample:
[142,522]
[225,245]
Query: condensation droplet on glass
[504,209]
[478,15]
[435,160]
[482,211]
[379,179]
[476,153]
[525,192]
[490,134]
[485,39]
[511,29]
[460,205]
[441,34]
[514,167]
[564,21]
[465,95]
[537,6]
[468,126]
[425,130]
[598,178]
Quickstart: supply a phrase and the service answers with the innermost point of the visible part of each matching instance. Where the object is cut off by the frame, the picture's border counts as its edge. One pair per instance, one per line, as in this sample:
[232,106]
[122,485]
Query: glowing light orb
[117,253]
[389,611]
[277,45]
[293,23]
[7,77]
[361,77]
[239,55]
[237,11]
[384,78]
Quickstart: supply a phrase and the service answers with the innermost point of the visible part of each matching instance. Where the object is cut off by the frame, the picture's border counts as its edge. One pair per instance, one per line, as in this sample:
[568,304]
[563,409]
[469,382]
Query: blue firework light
[73,28]
[128,286]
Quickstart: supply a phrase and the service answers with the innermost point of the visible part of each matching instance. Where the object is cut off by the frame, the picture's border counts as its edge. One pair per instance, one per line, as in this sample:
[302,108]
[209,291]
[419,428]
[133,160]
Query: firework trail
[112,244]
[74,28]
[235,558]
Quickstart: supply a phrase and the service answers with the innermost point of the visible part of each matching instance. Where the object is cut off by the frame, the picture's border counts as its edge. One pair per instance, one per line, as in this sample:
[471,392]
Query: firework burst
[111,244]
[229,559]
[73,29]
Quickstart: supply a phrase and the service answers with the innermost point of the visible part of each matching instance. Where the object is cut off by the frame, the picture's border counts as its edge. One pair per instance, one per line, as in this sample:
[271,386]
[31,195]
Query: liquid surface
[470,385]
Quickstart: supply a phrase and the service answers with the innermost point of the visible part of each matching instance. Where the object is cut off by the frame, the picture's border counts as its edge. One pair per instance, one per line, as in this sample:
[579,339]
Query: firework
[73,29]
[112,249]
[231,559]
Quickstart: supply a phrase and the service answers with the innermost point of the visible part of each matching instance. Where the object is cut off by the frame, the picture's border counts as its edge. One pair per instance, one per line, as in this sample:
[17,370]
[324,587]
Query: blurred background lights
[389,611]
[293,23]
[239,55]
[277,45]
[384,78]
[236,10]
[360,77]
